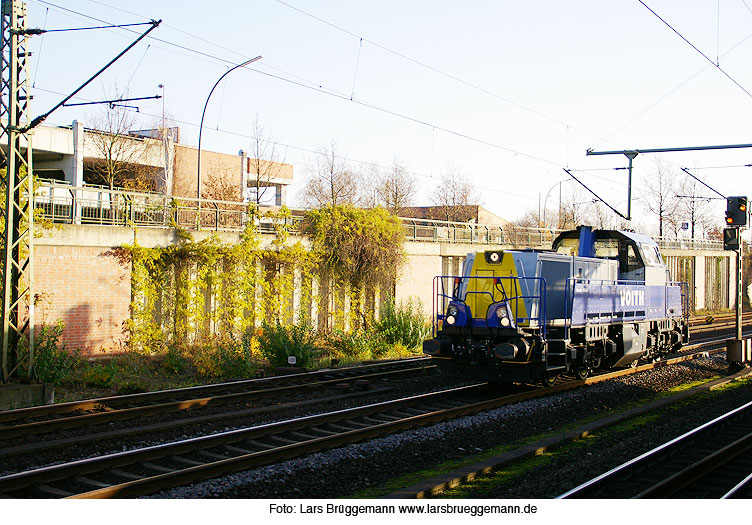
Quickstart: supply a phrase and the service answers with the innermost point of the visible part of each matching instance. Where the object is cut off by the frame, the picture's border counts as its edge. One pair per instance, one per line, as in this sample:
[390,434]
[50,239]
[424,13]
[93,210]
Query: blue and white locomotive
[598,299]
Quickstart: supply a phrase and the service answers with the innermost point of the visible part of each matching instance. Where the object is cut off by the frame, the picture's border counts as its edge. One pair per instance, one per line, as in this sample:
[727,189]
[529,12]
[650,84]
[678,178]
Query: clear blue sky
[510,92]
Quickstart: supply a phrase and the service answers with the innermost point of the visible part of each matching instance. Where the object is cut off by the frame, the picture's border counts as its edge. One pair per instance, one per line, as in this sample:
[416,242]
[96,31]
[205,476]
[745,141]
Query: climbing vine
[359,251]
[192,291]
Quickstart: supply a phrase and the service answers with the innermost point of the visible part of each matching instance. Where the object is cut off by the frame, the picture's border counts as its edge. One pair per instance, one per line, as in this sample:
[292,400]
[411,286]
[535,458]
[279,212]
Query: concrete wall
[216,168]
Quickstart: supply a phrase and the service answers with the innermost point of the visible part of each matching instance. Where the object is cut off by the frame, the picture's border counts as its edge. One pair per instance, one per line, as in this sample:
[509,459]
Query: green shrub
[52,359]
[226,357]
[130,386]
[174,361]
[403,324]
[278,342]
[359,344]
[235,358]
[98,375]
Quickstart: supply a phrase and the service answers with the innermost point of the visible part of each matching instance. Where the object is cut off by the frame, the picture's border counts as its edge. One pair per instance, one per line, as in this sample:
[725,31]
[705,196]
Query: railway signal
[737,218]
[736,211]
[731,238]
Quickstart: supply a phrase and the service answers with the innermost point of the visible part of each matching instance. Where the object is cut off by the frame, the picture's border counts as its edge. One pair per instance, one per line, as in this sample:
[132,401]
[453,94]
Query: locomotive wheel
[549,378]
[581,371]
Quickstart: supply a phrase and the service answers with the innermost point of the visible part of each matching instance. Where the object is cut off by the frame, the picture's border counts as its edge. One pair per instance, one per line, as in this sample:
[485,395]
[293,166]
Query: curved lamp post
[545,201]
[201,126]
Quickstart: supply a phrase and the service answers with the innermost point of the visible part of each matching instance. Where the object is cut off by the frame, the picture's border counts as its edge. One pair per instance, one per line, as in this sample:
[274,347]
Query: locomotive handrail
[441,296]
[571,292]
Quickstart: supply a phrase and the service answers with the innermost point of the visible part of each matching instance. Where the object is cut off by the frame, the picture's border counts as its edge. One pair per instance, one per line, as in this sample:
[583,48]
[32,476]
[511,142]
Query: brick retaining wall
[89,290]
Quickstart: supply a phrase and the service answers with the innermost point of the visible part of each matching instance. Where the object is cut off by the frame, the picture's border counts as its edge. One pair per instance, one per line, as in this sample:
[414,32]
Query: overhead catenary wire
[617,212]
[685,170]
[360,38]
[669,93]
[313,151]
[719,68]
[39,51]
[312,85]
[321,89]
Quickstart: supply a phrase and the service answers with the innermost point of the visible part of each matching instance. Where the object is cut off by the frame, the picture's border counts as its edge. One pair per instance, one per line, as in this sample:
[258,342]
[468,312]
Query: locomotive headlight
[494,257]
[501,312]
[503,316]
[450,319]
[452,310]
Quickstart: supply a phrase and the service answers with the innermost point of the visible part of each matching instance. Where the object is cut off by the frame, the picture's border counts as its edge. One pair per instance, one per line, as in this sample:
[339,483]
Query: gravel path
[344,471]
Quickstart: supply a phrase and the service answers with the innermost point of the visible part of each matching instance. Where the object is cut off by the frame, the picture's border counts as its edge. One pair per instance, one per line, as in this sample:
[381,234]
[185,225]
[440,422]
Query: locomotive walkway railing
[96,205]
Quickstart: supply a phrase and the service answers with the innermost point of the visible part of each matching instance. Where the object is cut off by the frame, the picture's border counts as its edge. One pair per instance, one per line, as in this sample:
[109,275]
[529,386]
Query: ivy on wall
[194,290]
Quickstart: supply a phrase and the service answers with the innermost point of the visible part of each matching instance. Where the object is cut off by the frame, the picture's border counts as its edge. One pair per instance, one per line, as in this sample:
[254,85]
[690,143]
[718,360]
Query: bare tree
[370,178]
[331,181]
[660,194]
[455,195]
[264,163]
[397,187]
[529,219]
[575,209]
[120,155]
[221,184]
[696,206]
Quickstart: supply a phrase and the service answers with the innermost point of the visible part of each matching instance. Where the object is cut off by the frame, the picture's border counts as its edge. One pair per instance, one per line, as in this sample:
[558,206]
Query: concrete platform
[19,395]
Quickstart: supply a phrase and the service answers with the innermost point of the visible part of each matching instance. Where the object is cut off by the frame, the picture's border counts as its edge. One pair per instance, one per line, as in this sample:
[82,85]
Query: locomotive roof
[608,234]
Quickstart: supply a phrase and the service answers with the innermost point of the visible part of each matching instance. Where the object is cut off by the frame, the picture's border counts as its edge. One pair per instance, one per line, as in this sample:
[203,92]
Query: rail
[96,205]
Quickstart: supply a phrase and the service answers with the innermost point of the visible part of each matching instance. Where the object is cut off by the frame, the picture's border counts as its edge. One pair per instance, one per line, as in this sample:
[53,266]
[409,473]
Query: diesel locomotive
[597,299]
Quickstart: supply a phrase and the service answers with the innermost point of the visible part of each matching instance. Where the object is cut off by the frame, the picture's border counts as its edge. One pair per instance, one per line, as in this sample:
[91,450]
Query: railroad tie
[237,450]
[259,445]
[124,474]
[211,455]
[187,461]
[303,437]
[91,483]
[48,490]
[156,468]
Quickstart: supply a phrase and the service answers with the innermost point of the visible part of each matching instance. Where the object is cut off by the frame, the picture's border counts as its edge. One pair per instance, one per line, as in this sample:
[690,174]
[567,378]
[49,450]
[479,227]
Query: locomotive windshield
[651,255]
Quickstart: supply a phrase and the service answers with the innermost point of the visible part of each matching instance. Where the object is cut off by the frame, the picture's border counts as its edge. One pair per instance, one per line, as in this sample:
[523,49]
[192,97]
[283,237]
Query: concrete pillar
[732,282]
[169,164]
[243,175]
[699,280]
[77,175]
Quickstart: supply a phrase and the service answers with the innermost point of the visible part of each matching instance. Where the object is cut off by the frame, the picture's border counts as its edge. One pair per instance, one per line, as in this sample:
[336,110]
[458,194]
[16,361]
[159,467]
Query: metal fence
[63,203]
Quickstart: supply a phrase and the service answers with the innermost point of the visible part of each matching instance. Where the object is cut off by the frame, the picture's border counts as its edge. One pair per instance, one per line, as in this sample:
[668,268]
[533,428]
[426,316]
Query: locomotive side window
[607,248]
[629,259]
[568,246]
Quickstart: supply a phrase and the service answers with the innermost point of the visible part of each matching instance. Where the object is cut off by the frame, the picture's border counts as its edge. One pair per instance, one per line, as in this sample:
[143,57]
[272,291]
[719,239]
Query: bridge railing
[63,203]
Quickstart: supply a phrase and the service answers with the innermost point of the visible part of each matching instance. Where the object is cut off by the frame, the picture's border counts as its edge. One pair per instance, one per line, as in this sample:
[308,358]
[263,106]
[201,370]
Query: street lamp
[545,201]
[201,126]
[163,135]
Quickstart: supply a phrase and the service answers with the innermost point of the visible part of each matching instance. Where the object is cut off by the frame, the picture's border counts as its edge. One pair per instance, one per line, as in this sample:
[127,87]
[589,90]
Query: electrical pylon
[18,193]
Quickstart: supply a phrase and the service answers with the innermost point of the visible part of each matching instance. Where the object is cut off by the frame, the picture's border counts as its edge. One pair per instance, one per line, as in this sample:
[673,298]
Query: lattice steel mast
[18,193]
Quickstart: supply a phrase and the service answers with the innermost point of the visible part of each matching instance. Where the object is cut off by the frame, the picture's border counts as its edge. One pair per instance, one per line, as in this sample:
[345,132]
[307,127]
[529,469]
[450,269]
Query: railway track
[725,317]
[711,461]
[150,469]
[26,422]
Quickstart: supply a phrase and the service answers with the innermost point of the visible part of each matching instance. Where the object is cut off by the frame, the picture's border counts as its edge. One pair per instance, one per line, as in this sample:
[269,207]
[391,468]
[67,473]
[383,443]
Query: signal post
[738,350]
